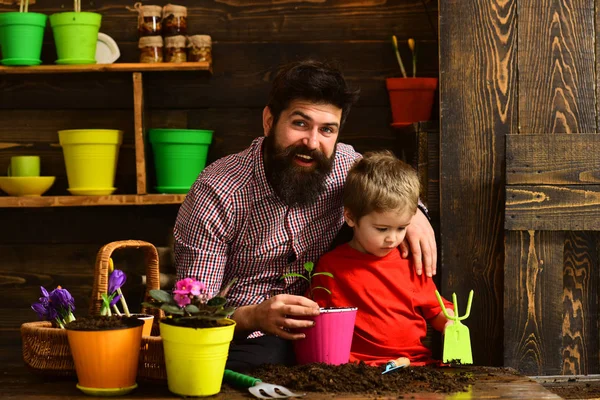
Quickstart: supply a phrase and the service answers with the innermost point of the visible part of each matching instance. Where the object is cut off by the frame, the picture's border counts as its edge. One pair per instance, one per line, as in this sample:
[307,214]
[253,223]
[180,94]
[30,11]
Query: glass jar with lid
[174,20]
[199,48]
[151,49]
[149,19]
[175,51]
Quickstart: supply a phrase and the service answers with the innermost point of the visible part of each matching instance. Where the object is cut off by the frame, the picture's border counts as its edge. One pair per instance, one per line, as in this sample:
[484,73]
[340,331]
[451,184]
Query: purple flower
[116,280]
[184,286]
[197,288]
[182,300]
[61,299]
[115,300]
[41,310]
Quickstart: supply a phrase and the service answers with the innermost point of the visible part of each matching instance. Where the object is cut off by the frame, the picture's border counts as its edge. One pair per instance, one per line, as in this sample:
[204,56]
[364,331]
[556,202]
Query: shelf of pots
[75,36]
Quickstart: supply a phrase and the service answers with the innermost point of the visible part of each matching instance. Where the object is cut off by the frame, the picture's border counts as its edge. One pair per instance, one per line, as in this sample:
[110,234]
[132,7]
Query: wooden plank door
[519,185]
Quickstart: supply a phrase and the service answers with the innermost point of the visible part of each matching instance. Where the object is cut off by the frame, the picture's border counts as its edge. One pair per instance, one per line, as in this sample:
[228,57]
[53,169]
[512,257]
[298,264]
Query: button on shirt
[233,225]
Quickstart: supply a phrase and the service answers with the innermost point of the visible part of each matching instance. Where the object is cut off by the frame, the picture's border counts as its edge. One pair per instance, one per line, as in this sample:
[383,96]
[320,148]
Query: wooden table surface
[17,382]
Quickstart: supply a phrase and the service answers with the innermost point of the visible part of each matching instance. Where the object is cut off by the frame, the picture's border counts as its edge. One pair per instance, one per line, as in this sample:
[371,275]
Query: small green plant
[189,304]
[309,268]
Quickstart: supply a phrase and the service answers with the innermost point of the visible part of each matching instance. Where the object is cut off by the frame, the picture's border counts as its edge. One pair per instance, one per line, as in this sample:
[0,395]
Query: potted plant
[411,99]
[21,36]
[76,35]
[106,348]
[196,335]
[330,339]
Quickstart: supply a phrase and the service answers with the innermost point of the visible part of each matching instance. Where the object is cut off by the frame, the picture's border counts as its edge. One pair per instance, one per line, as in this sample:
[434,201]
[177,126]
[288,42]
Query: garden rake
[257,387]
[457,341]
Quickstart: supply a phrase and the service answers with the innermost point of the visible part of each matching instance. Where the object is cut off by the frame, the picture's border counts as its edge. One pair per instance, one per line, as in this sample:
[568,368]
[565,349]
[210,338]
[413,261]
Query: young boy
[394,303]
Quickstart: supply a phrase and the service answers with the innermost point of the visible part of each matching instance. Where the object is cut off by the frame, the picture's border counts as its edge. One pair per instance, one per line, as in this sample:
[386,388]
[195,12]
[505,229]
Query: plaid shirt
[232,225]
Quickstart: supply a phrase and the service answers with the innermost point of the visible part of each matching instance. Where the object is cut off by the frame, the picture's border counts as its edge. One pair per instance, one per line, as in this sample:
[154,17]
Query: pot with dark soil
[196,337]
[329,341]
[105,352]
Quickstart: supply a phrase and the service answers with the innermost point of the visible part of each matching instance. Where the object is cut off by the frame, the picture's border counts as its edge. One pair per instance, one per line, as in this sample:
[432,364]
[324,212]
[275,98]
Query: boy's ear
[349,218]
[267,120]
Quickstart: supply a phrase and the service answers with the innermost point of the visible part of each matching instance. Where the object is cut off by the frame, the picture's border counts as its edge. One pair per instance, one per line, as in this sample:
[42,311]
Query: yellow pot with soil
[195,357]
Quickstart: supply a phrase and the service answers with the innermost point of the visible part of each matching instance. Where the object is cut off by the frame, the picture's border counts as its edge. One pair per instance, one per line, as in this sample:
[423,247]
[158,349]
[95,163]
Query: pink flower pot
[330,340]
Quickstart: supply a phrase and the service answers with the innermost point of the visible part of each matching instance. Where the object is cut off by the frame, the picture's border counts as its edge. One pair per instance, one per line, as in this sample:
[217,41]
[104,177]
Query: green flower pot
[75,36]
[21,36]
[179,156]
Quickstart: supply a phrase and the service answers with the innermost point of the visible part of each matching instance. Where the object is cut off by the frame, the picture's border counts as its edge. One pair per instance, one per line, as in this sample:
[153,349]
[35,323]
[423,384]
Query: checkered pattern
[232,225]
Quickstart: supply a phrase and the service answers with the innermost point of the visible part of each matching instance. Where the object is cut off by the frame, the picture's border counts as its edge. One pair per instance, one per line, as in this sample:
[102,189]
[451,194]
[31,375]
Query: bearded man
[269,209]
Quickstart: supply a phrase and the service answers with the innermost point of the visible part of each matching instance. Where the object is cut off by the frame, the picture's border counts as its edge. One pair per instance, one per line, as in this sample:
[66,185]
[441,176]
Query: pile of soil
[575,388]
[104,323]
[361,378]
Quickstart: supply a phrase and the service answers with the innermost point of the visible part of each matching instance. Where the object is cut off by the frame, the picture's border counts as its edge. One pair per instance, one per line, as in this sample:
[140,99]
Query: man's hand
[275,315]
[421,240]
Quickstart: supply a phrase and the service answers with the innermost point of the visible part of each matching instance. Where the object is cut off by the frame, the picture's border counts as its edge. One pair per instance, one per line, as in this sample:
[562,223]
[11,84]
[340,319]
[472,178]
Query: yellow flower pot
[91,159]
[195,358]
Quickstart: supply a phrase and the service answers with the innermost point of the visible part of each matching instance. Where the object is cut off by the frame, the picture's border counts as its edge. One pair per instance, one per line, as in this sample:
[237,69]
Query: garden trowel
[457,341]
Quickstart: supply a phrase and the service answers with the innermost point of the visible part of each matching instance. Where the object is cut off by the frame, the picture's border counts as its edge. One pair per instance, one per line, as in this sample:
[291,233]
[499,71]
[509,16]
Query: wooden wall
[250,39]
[519,184]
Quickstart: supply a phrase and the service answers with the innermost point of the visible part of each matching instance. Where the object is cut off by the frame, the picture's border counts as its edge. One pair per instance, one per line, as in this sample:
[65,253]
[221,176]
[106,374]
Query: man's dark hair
[313,81]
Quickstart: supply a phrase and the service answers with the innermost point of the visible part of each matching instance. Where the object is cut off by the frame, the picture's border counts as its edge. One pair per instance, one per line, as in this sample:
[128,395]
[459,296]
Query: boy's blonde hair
[381,182]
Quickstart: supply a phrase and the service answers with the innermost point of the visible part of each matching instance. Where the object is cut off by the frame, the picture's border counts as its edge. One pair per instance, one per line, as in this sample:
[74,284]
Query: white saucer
[107,51]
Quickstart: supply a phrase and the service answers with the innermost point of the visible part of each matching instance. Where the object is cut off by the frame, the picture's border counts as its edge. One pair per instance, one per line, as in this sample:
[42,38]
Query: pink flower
[184,286]
[182,300]
[197,288]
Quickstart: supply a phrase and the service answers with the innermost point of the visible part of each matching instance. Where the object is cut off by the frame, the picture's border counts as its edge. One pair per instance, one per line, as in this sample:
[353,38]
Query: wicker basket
[46,349]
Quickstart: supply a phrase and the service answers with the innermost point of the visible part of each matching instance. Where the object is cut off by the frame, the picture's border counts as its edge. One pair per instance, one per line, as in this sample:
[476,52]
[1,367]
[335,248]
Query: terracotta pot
[411,99]
[106,361]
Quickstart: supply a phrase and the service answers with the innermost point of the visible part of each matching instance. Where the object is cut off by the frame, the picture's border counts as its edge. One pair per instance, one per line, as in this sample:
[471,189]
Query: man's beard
[293,184]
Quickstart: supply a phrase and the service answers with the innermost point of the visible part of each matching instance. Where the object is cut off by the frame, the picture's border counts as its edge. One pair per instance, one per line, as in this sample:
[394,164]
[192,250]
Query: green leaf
[309,266]
[151,305]
[225,290]
[321,287]
[192,309]
[217,301]
[329,274]
[290,274]
[162,296]
[171,309]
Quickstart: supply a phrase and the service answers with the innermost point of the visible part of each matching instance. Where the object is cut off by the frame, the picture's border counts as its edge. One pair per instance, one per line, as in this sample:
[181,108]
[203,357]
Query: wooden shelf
[87,201]
[117,67]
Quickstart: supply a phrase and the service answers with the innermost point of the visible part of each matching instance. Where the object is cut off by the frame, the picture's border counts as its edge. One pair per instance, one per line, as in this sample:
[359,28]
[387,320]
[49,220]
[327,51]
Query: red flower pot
[411,99]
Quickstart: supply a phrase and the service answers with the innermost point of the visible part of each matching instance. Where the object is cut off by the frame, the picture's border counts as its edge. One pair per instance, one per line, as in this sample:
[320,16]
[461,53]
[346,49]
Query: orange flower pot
[106,361]
[411,99]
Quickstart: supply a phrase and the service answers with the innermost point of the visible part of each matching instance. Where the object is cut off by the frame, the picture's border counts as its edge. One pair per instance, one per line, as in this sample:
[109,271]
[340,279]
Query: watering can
[457,341]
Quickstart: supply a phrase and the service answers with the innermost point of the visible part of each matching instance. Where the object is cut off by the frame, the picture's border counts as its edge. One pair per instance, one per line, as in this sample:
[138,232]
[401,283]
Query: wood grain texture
[85,225]
[138,131]
[533,301]
[545,207]
[248,21]
[241,78]
[556,66]
[90,201]
[553,159]
[478,83]
[117,67]
[580,355]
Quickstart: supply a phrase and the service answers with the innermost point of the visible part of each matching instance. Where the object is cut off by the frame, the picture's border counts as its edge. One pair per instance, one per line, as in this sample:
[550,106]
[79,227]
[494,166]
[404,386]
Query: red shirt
[394,303]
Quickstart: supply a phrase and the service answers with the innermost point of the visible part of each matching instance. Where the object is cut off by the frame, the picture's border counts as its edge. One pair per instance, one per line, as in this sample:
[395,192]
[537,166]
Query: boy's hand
[420,241]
